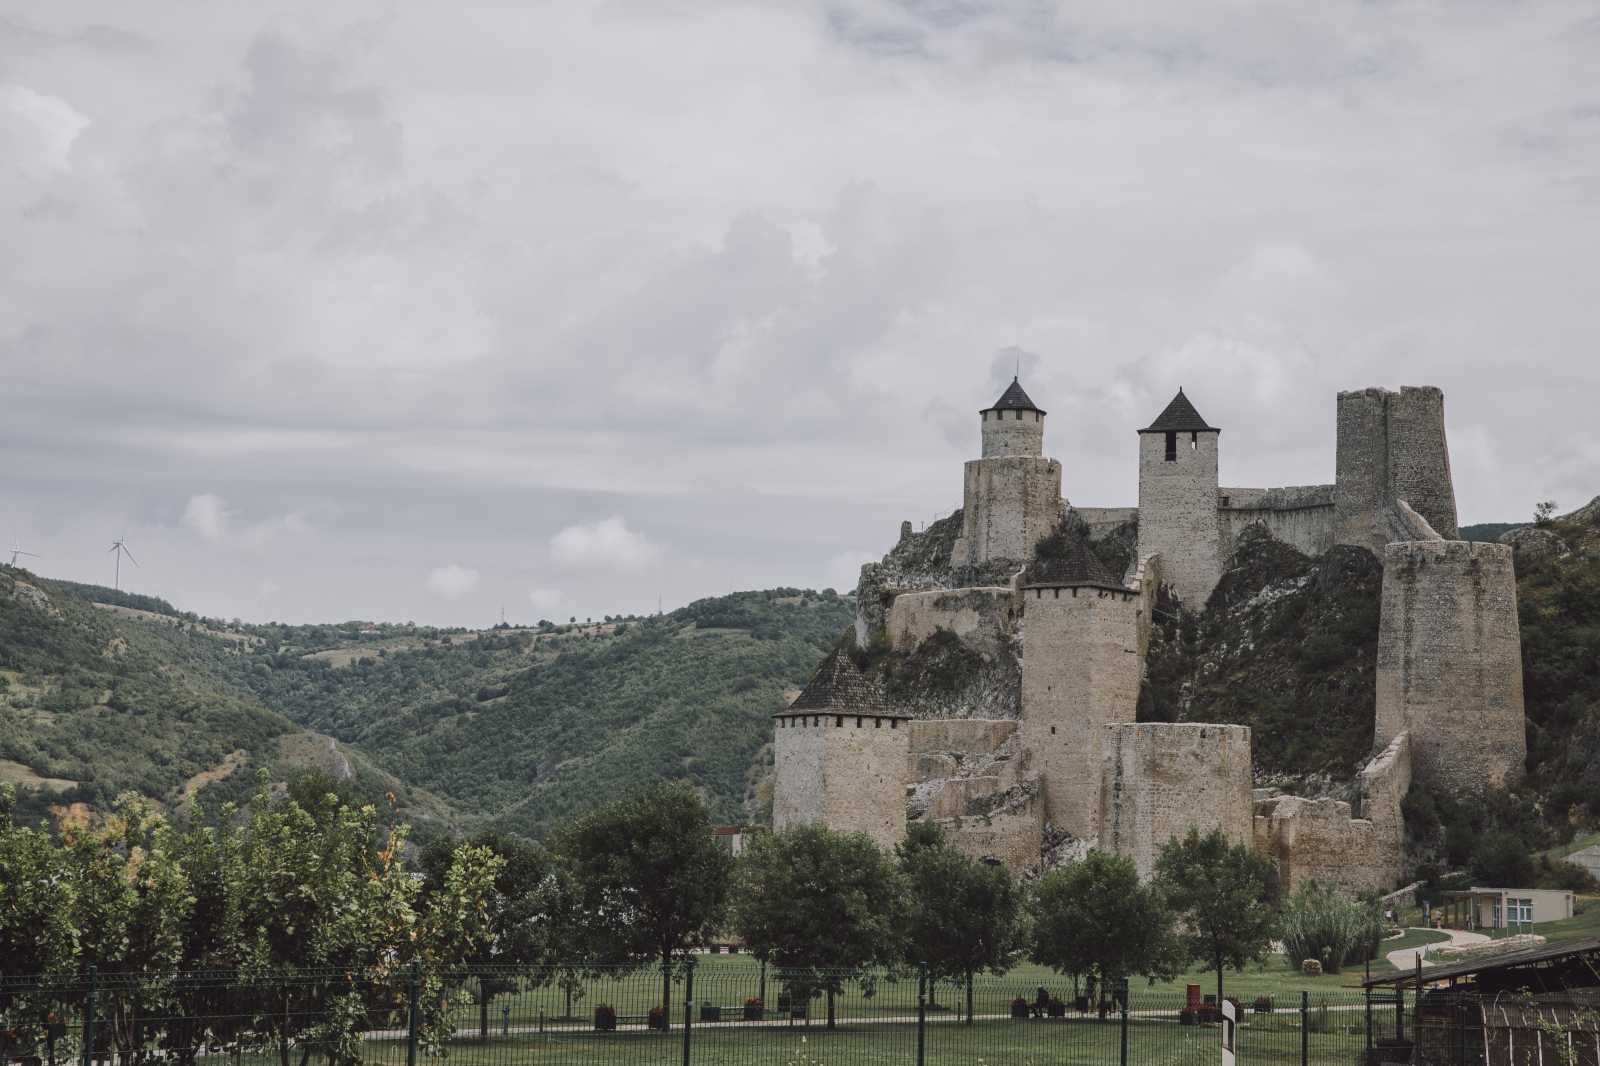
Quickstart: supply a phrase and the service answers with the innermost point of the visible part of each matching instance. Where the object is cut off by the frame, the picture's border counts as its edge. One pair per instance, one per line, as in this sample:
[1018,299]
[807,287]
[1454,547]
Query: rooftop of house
[1179,417]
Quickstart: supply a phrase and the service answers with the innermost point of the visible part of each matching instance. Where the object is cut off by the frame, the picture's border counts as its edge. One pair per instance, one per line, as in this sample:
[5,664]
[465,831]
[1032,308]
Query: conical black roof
[1180,416]
[839,685]
[1064,558]
[1014,399]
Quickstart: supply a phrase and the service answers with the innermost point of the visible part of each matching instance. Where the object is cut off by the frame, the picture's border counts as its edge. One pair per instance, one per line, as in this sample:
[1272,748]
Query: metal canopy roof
[1525,957]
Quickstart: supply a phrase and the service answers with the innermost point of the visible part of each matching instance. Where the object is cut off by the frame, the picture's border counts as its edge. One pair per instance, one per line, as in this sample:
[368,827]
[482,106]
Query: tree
[1095,918]
[1321,923]
[651,879]
[822,906]
[37,935]
[1221,893]
[518,925]
[964,916]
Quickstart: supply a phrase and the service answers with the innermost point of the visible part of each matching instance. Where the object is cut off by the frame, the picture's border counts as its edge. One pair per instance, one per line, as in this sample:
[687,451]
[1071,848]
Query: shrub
[1319,923]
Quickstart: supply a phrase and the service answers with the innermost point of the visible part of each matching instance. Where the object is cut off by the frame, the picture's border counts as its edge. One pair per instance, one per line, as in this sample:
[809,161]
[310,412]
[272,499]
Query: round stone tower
[1081,669]
[1178,500]
[840,756]
[1012,495]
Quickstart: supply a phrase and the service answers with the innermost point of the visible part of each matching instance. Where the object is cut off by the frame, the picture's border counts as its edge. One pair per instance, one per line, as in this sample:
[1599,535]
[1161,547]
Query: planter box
[605,1021]
[710,1013]
[754,1014]
[1057,1009]
[1019,1010]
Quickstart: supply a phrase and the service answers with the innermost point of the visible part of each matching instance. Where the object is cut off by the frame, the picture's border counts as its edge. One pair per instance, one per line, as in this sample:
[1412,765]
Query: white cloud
[604,545]
[208,516]
[545,599]
[452,581]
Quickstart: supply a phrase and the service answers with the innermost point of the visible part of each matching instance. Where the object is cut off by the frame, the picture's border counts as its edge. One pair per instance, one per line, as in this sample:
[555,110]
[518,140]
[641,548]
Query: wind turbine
[120,548]
[18,551]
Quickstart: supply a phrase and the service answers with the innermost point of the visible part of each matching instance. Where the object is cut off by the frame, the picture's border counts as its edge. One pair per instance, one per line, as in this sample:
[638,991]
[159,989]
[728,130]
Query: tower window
[1172,446]
[1194,442]
[838,721]
[1019,416]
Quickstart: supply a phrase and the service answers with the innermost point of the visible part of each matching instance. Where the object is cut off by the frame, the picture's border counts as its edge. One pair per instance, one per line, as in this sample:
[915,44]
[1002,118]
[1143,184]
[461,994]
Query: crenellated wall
[1161,779]
[1449,668]
[845,771]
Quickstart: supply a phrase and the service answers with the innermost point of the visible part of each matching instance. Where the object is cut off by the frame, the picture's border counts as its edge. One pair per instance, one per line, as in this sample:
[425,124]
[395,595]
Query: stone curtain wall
[981,616]
[1391,446]
[1301,516]
[1322,840]
[1449,666]
[1007,505]
[1160,779]
[1103,520]
[1007,433]
[1081,669]
[846,771]
[1178,514]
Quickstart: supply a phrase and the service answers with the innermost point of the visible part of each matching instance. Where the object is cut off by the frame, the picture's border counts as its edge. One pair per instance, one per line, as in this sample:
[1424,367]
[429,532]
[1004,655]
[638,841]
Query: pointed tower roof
[840,686]
[1014,399]
[1179,416]
[1065,559]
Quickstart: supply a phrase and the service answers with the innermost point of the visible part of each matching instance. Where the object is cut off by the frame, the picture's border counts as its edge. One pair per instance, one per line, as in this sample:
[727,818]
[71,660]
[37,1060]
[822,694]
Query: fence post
[688,1005]
[922,1013]
[1122,999]
[88,1021]
[1305,1028]
[413,989]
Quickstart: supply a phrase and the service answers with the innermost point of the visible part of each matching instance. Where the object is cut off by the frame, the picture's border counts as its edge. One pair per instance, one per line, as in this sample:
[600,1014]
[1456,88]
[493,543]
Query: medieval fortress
[1065,765]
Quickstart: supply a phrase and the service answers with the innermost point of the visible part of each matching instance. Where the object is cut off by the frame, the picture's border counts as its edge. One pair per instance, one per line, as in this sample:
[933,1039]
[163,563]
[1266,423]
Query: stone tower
[840,756]
[1450,662]
[1081,669]
[1178,501]
[1391,447]
[1012,495]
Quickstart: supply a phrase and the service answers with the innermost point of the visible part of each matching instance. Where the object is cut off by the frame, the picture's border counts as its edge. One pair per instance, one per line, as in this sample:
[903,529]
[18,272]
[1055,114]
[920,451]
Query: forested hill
[521,728]
[514,728]
[131,696]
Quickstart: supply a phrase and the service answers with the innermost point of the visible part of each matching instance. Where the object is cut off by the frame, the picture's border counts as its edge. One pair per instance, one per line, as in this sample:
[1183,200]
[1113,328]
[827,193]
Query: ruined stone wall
[1391,446]
[1007,505]
[845,771]
[1103,520]
[1081,669]
[1325,840]
[1301,516]
[1146,582]
[1012,433]
[960,735]
[1161,779]
[982,617]
[1178,513]
[1011,831]
[1449,666]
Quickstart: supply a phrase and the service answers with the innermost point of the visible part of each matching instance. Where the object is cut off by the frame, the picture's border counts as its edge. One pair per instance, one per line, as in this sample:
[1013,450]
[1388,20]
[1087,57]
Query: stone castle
[1057,762]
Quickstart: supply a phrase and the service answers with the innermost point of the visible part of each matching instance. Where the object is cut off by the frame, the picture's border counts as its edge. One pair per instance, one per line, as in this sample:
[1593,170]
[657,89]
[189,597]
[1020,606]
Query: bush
[1320,924]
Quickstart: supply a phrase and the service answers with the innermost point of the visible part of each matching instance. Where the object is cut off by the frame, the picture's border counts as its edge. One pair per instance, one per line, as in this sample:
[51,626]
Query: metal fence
[725,1011]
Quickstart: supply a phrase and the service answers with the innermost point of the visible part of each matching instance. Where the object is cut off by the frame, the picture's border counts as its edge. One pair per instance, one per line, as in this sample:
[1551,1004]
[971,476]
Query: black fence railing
[719,1011]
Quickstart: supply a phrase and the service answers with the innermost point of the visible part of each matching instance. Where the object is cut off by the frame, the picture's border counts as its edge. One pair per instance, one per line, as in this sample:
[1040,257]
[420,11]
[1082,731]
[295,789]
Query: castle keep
[1042,757]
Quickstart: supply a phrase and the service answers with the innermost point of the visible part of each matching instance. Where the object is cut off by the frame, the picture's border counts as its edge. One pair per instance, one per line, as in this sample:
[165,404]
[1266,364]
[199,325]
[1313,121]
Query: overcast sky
[409,310]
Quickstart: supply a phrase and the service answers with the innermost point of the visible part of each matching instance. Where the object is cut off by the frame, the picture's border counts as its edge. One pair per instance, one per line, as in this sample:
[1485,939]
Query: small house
[1504,908]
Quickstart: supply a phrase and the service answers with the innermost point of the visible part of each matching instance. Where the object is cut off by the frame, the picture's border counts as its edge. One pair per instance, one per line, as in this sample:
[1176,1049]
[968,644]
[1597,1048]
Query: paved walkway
[1406,958]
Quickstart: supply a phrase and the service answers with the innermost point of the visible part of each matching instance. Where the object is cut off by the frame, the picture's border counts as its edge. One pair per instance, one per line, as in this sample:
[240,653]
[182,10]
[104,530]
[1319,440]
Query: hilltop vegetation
[511,728]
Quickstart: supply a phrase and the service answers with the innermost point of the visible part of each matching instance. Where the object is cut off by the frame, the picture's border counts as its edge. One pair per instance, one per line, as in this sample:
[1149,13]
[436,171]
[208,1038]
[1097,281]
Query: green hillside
[98,700]
[102,692]
[522,728]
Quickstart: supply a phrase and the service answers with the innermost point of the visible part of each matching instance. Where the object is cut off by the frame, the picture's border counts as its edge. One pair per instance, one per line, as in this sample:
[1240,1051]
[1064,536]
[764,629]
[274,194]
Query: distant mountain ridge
[518,729]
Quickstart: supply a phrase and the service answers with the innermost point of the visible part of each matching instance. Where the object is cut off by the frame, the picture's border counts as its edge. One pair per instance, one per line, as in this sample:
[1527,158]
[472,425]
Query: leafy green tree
[1095,918]
[517,925]
[1321,923]
[37,935]
[965,917]
[1221,894]
[822,906]
[652,882]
